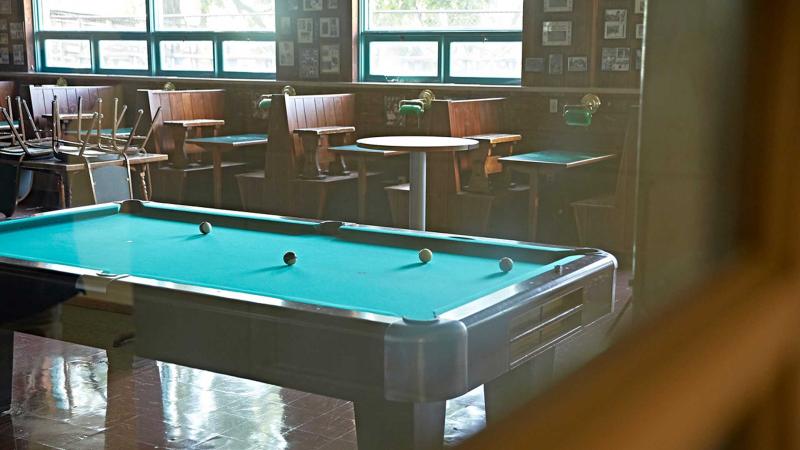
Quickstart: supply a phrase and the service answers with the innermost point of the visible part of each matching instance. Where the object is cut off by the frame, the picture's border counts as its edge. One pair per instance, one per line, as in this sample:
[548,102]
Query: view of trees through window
[406,15]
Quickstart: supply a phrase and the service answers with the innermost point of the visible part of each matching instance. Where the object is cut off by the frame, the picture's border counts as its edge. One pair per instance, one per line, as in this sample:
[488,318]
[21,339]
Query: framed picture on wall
[616,24]
[556,33]
[577,64]
[312,5]
[305,30]
[329,27]
[285,53]
[639,31]
[329,59]
[615,59]
[557,5]
[309,63]
[555,64]
[535,65]
[333,4]
[641,5]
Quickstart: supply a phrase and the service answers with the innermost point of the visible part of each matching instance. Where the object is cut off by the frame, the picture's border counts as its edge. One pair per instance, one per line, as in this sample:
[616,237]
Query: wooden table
[361,155]
[67,171]
[536,163]
[418,147]
[217,145]
[311,138]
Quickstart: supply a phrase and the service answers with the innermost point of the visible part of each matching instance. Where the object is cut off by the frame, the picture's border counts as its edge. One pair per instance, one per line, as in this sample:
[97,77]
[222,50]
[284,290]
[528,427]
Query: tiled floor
[67,396]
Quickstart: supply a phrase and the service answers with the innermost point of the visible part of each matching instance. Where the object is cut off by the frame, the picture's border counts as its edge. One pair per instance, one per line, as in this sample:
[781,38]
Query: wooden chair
[185,114]
[607,222]
[454,204]
[286,191]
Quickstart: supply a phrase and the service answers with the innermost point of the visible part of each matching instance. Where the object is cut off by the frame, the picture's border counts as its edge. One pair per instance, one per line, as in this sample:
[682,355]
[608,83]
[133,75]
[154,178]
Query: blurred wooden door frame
[719,365]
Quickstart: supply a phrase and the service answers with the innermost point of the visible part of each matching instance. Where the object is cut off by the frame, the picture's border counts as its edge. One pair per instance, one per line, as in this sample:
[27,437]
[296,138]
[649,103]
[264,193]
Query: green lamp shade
[578,117]
[411,110]
[265,104]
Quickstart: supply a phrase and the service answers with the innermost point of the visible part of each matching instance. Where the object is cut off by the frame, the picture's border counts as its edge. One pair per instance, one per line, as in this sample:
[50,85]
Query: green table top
[367,270]
[560,158]
[355,149]
[236,140]
[124,131]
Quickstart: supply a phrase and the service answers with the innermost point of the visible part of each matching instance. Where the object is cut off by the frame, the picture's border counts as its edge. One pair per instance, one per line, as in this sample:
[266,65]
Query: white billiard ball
[506,264]
[205,227]
[425,255]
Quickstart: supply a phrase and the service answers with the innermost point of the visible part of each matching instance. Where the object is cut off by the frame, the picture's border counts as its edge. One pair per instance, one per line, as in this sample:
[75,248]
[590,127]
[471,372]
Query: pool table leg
[516,387]
[386,425]
[6,368]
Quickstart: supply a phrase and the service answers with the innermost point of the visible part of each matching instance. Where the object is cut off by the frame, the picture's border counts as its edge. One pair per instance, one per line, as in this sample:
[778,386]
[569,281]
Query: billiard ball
[289,258]
[506,264]
[425,255]
[205,227]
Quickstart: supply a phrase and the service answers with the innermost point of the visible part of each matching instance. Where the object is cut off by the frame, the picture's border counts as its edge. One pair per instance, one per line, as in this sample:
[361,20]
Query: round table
[418,147]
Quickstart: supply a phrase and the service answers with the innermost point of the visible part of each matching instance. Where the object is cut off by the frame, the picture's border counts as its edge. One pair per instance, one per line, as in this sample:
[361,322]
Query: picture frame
[329,59]
[557,6]
[555,64]
[312,5]
[333,4]
[615,59]
[305,30]
[18,54]
[329,27]
[309,64]
[556,33]
[17,31]
[535,65]
[577,63]
[285,28]
[614,30]
[640,7]
[5,55]
[285,53]
[638,59]
[640,31]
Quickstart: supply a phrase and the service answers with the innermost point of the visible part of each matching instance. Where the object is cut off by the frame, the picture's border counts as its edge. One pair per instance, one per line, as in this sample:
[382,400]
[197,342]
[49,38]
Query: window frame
[153,39]
[444,39]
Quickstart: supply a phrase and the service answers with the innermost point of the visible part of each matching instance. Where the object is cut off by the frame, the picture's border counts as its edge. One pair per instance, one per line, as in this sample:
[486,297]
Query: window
[468,41]
[157,37]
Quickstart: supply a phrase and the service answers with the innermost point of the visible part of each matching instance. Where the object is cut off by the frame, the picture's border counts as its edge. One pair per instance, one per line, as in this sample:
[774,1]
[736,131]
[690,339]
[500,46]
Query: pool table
[358,316]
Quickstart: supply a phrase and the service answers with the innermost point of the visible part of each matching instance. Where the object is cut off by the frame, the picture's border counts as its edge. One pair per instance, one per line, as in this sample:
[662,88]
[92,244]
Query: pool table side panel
[320,353]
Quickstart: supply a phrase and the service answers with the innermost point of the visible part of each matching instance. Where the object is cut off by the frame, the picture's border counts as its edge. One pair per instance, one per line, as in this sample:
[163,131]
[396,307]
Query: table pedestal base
[417,191]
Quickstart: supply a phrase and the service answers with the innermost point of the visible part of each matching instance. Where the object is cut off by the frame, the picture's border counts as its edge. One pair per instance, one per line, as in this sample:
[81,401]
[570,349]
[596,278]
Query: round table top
[419,143]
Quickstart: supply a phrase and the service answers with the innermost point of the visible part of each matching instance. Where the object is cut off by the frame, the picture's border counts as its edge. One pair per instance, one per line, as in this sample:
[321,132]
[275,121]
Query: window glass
[405,15]
[404,59]
[486,59]
[123,55]
[105,15]
[68,53]
[187,55]
[248,56]
[215,15]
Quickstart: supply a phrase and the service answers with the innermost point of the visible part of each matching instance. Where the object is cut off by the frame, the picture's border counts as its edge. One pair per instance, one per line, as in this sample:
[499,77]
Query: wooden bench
[187,114]
[41,101]
[285,190]
[453,205]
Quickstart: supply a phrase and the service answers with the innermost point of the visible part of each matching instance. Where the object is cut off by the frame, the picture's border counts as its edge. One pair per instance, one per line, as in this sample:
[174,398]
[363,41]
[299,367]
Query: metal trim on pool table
[529,287]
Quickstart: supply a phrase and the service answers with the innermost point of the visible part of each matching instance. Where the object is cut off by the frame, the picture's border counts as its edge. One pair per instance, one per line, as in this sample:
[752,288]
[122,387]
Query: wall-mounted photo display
[557,5]
[639,31]
[305,30]
[556,33]
[329,27]
[616,24]
[577,64]
[285,53]
[329,59]
[5,55]
[616,59]
[641,5]
[285,27]
[18,54]
[555,64]
[333,4]
[17,31]
[312,5]
[638,63]
[535,65]
[309,63]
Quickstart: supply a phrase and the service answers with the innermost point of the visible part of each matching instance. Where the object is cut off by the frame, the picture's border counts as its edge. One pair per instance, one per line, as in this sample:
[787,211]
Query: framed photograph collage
[12,35]
[581,43]
[314,40]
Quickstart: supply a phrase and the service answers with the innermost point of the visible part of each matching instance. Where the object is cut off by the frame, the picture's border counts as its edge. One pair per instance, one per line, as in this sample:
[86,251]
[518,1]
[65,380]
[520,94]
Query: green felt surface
[552,157]
[120,131]
[352,270]
[232,139]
